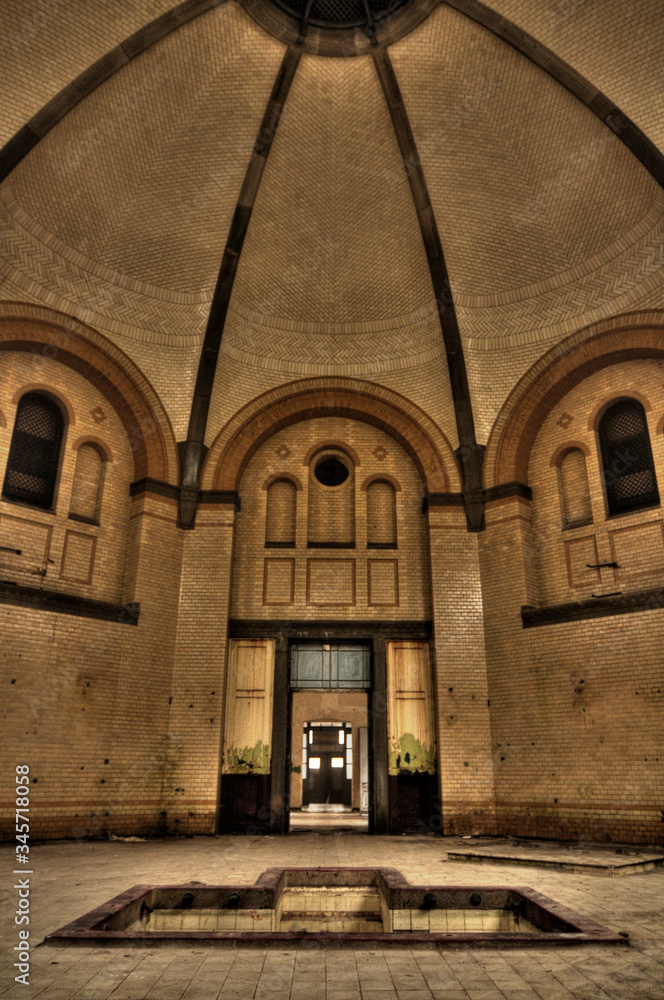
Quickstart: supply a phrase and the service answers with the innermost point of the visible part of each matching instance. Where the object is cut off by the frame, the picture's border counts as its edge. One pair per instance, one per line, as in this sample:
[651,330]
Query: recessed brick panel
[638,550]
[331,582]
[278,582]
[580,554]
[78,557]
[383,582]
[32,537]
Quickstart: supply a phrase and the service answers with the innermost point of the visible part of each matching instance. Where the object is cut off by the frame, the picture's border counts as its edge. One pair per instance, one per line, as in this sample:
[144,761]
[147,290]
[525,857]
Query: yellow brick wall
[550,731]
[576,708]
[58,552]
[460,682]
[634,540]
[86,702]
[198,691]
[354,582]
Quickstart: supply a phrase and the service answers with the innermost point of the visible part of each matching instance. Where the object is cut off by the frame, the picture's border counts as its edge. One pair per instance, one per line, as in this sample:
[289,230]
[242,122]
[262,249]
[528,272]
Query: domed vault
[423,239]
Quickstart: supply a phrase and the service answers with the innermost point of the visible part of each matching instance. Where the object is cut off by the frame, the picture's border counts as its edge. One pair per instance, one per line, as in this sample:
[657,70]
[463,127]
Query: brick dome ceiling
[119,215]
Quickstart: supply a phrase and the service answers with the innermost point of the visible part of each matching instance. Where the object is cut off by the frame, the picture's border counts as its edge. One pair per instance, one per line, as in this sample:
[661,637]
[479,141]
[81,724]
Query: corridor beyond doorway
[329,761]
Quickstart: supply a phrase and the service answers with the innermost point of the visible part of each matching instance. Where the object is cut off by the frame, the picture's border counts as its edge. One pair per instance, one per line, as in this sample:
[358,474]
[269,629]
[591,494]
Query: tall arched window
[85,504]
[281,514]
[629,472]
[574,490]
[34,455]
[381,515]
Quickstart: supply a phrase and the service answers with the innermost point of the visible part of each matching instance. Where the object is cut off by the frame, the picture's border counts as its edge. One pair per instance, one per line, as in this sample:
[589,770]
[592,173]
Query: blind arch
[575,504]
[281,513]
[86,494]
[331,500]
[381,514]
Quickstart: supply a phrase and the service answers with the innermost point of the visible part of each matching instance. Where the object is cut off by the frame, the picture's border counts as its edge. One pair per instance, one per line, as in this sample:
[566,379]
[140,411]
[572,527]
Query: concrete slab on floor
[598,859]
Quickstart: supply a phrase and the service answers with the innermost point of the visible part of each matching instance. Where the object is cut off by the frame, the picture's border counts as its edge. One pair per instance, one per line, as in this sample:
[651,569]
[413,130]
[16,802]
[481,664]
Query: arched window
[281,513]
[381,515]
[34,455]
[574,490]
[629,473]
[85,504]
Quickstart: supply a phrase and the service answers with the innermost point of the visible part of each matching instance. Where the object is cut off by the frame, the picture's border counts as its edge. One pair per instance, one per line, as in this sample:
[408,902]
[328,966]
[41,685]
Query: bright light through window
[314,763]
[337,762]
[341,735]
[311,735]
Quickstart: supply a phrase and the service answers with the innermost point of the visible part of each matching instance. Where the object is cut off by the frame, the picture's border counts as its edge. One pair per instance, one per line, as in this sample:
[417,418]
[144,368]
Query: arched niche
[68,342]
[629,337]
[301,400]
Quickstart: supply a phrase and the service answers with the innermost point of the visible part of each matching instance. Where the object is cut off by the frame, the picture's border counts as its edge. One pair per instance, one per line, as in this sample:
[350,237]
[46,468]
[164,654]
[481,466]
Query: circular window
[330,471]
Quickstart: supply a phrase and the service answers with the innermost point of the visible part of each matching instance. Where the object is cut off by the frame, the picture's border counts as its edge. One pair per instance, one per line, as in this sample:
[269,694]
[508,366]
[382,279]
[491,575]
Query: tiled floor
[71,878]
[326,821]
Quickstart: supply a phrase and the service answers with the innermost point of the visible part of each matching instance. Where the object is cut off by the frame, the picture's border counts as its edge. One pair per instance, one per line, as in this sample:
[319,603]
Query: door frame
[286,633]
[370,719]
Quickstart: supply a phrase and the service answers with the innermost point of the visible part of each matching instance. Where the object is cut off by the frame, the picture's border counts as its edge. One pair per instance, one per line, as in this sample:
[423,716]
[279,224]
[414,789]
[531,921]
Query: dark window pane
[32,466]
[629,473]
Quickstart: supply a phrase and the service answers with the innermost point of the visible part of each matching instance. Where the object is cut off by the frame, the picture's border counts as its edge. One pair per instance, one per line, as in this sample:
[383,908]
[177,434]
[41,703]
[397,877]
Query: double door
[327,764]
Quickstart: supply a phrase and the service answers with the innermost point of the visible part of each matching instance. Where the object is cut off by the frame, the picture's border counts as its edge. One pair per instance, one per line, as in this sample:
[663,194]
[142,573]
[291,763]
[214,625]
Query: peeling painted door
[245,781]
[411,737]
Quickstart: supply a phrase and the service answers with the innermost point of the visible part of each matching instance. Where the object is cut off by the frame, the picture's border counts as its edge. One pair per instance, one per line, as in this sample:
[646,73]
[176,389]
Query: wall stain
[248,760]
[411,756]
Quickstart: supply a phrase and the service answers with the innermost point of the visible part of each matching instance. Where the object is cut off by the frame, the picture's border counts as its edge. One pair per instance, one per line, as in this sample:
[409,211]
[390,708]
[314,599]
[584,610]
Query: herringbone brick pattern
[335,348]
[34,257]
[617,285]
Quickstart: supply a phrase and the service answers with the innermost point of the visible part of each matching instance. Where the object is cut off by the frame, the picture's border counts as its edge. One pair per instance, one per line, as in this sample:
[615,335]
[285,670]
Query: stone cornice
[318,629]
[598,607]
[501,492]
[156,487]
[68,604]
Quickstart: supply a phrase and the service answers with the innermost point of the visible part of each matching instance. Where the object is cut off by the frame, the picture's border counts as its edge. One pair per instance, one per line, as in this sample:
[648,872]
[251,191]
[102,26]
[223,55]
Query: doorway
[329,759]
[327,766]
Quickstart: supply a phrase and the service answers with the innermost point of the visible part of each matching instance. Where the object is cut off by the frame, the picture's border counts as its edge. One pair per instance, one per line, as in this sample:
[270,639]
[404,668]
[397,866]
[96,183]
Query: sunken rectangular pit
[333,906]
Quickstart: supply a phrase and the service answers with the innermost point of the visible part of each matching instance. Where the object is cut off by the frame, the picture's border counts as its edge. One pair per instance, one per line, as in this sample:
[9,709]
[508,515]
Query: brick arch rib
[469,451]
[193,451]
[609,113]
[234,446]
[86,82]
[55,110]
